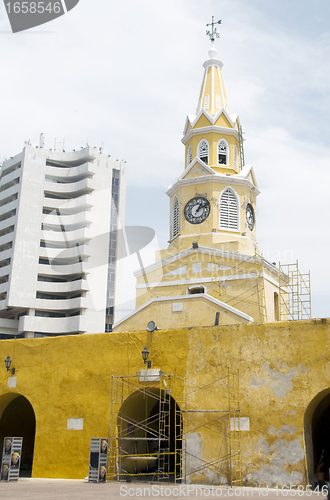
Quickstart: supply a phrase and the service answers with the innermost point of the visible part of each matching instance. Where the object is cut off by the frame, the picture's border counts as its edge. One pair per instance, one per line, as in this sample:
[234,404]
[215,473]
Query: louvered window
[228,217]
[189,156]
[175,218]
[203,151]
[218,101]
[207,102]
[223,151]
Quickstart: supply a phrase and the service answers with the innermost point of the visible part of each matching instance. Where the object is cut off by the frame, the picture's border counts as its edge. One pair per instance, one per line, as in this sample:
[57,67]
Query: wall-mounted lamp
[152,326]
[145,353]
[7,365]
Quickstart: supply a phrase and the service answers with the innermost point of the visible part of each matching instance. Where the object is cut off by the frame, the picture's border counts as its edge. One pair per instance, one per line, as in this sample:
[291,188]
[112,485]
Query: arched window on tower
[223,152]
[236,158]
[203,151]
[207,102]
[175,217]
[218,101]
[189,156]
[228,210]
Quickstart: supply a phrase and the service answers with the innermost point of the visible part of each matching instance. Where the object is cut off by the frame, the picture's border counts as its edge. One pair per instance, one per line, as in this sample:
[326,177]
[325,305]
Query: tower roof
[213,95]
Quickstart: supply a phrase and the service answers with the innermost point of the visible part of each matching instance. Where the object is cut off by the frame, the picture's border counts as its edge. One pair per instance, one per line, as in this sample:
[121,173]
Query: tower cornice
[237,180]
[213,62]
[207,130]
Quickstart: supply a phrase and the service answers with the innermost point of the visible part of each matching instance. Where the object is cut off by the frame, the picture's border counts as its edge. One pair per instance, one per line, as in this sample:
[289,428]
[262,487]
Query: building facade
[69,389]
[59,219]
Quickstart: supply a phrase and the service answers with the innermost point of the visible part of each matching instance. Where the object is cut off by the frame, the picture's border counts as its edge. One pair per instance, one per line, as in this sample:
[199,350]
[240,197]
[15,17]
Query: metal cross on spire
[213,34]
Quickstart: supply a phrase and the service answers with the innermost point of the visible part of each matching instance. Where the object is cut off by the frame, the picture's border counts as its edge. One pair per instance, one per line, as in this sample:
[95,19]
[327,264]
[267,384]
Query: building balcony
[6,254]
[62,270]
[69,189]
[57,326]
[61,304]
[65,237]
[7,238]
[8,207]
[8,326]
[5,270]
[4,287]
[82,251]
[9,192]
[70,173]
[71,286]
[10,177]
[8,222]
[67,221]
[76,205]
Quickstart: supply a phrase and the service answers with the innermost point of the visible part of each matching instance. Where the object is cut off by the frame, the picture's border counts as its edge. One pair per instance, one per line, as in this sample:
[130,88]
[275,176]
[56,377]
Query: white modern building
[60,215]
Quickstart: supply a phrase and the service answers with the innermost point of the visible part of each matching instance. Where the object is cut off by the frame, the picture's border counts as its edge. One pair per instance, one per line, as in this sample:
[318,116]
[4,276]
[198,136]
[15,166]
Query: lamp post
[7,365]
[145,353]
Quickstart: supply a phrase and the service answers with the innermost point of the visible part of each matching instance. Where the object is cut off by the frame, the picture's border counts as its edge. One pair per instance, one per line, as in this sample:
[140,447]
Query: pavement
[68,489]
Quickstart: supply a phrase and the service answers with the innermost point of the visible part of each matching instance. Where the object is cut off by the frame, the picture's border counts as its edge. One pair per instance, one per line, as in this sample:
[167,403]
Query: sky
[124,75]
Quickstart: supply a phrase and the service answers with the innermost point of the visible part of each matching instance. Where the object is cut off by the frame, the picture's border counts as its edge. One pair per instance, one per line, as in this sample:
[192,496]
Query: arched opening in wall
[17,419]
[276,307]
[150,436]
[317,438]
[195,289]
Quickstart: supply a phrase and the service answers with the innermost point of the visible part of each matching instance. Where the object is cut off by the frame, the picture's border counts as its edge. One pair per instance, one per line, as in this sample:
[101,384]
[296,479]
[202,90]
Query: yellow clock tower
[213,201]
[211,273]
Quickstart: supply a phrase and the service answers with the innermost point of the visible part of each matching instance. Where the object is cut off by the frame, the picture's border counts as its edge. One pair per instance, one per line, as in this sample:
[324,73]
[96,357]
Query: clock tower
[211,273]
[213,202]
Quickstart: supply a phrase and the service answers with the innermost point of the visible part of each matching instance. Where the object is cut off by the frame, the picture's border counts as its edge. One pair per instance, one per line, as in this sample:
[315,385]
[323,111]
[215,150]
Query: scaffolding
[294,293]
[251,298]
[158,424]
[234,429]
[241,145]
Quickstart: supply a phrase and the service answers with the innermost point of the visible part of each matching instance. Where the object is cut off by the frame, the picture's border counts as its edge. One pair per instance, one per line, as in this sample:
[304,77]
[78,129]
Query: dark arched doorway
[317,438]
[150,437]
[18,420]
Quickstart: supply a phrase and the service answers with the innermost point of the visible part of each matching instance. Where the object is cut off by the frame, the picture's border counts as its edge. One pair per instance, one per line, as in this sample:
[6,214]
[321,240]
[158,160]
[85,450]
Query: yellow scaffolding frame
[294,293]
[252,270]
[145,448]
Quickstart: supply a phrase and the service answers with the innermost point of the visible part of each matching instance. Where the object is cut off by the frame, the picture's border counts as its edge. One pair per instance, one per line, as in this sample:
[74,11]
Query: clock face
[250,218]
[197,210]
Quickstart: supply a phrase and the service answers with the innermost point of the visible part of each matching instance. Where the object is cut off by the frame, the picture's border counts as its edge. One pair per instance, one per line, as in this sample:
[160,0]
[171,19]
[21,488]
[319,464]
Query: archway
[317,437]
[17,419]
[150,436]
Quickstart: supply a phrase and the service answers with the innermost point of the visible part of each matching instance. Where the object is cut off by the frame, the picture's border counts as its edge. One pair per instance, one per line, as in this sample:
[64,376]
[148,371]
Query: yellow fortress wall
[284,376]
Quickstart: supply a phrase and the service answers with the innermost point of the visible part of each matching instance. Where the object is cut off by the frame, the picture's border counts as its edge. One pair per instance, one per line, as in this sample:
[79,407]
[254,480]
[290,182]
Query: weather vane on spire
[213,34]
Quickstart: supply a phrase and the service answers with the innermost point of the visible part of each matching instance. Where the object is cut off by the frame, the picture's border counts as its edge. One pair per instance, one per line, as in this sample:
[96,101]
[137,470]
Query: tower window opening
[203,151]
[207,102]
[218,101]
[223,151]
[189,156]
[175,218]
[228,216]
[195,289]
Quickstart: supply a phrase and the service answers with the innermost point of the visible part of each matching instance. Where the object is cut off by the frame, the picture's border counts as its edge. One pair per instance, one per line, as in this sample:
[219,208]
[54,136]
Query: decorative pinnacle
[213,34]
